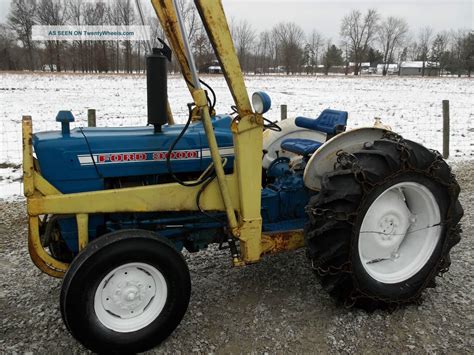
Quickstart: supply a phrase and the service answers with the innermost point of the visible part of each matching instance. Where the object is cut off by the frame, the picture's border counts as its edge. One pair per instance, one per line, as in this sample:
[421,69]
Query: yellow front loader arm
[247,129]
[238,194]
[247,126]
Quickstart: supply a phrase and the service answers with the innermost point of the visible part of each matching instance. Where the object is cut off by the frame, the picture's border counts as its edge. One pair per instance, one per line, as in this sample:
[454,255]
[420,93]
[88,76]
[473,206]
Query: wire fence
[411,106]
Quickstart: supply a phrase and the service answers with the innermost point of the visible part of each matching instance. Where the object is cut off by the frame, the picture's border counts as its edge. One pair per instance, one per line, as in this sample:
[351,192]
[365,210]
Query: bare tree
[244,40]
[262,53]
[391,35]
[274,47]
[462,52]
[359,31]
[439,50]
[126,16]
[412,49]
[468,52]
[114,18]
[425,37]
[189,13]
[202,48]
[95,52]
[75,9]
[289,37]
[52,13]
[7,49]
[316,43]
[21,20]
[100,48]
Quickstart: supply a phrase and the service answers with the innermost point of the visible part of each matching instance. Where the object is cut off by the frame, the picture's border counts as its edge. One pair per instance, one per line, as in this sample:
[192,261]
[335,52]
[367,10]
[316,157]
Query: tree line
[285,48]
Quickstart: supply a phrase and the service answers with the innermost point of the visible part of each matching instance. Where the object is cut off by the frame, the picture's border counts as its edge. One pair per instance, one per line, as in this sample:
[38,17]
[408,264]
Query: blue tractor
[111,209]
[94,159]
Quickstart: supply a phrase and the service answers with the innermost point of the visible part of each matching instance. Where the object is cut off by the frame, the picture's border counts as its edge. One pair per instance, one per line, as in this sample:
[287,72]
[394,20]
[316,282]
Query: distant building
[49,67]
[369,70]
[362,65]
[350,68]
[416,68]
[278,69]
[391,68]
[214,69]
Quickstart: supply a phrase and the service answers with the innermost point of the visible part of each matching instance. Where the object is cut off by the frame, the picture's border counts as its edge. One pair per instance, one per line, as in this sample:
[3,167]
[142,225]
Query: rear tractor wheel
[125,292]
[383,224]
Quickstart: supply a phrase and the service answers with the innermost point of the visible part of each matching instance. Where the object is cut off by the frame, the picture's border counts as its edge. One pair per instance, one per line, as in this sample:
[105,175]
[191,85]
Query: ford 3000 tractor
[111,209]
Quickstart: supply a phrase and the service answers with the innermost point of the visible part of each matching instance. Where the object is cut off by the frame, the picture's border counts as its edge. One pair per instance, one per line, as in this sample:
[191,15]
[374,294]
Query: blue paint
[300,146]
[60,156]
[327,122]
[264,98]
[92,159]
[65,117]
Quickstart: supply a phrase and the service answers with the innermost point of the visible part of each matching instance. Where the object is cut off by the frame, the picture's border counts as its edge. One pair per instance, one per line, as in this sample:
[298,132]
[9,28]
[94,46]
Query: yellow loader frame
[238,194]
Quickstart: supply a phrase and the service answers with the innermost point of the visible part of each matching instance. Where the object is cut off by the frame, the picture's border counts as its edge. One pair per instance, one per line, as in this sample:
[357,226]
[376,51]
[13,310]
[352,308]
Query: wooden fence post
[284,112]
[445,129]
[91,119]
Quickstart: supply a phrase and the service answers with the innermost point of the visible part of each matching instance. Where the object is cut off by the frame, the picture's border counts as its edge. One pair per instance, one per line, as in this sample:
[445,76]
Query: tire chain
[347,160]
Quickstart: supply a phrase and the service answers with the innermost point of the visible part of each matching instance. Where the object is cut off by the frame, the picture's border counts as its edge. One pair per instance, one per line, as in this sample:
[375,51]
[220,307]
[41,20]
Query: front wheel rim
[399,232]
[130,297]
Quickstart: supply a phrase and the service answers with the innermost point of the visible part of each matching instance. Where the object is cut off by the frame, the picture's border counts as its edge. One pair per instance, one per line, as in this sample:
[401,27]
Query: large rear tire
[383,224]
[125,292]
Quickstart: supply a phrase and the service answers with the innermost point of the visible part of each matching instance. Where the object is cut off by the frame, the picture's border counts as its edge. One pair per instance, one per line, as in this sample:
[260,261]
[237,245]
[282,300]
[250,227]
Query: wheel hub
[385,226]
[130,296]
[388,224]
[399,232]
[128,292]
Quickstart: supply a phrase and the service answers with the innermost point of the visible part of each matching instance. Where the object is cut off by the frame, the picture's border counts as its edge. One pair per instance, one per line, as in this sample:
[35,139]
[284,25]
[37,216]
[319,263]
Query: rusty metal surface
[247,132]
[217,28]
[167,15]
[40,258]
[325,156]
[28,164]
[277,242]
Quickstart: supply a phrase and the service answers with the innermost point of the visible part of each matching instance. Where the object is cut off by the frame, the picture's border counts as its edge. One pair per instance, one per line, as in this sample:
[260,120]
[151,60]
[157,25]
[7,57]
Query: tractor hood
[82,159]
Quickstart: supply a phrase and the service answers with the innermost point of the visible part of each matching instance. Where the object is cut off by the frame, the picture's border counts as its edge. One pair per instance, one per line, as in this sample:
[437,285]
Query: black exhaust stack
[157,86]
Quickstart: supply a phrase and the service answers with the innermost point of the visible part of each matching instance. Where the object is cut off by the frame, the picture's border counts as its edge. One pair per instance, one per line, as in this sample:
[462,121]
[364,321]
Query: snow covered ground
[412,106]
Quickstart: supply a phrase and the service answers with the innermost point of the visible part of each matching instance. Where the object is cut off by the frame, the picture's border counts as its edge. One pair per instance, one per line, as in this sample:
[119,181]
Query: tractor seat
[329,121]
[300,146]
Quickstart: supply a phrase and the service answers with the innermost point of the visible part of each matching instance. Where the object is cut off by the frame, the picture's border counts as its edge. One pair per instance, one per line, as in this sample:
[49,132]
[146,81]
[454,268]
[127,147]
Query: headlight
[261,102]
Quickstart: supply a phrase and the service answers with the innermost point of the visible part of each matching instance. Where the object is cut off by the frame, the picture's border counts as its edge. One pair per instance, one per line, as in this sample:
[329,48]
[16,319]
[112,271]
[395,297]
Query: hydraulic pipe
[201,101]
[247,129]
[187,48]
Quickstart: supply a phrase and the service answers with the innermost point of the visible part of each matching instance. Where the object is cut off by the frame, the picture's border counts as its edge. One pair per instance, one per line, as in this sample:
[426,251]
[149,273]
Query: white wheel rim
[399,232]
[130,297]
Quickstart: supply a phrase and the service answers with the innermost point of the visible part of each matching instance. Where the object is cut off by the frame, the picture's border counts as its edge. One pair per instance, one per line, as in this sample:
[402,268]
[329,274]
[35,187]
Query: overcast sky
[325,15]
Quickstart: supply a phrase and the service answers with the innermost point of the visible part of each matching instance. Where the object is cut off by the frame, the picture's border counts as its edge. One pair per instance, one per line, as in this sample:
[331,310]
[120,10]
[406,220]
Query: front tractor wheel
[125,293]
[383,224]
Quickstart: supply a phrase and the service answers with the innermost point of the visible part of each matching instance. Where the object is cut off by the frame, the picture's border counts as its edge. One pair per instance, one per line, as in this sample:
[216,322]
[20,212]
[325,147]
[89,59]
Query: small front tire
[125,292]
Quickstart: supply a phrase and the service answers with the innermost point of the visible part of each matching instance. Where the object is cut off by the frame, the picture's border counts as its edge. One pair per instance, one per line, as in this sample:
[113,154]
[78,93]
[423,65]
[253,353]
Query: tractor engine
[93,159]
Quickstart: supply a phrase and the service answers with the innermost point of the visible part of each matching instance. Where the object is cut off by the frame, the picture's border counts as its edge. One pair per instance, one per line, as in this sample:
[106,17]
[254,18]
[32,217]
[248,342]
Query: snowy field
[412,106]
